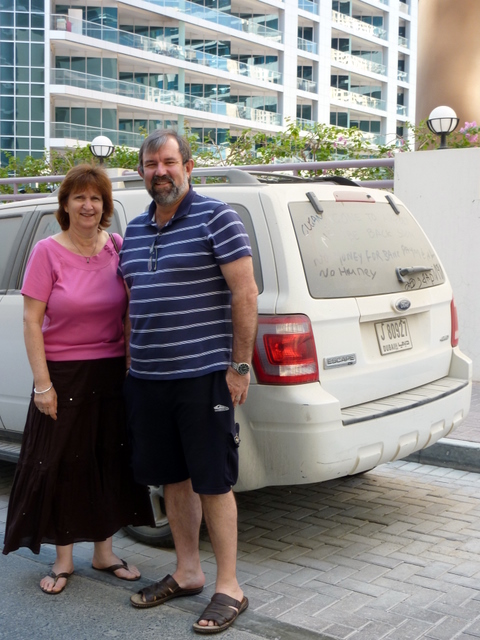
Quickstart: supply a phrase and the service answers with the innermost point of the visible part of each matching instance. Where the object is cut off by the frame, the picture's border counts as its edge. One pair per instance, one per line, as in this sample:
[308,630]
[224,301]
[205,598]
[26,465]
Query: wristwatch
[242,368]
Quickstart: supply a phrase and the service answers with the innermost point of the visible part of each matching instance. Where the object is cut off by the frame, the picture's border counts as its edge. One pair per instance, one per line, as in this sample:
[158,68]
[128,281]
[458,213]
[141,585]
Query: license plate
[393,336]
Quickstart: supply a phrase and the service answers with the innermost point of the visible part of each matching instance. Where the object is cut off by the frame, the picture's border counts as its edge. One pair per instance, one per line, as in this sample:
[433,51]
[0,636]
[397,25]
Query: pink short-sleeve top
[86,301]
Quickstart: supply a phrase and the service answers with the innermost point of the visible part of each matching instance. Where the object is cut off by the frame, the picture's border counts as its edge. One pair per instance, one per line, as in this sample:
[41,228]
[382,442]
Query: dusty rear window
[363,249]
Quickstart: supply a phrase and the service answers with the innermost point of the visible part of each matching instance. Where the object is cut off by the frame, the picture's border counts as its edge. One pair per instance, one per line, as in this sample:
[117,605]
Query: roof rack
[234,176]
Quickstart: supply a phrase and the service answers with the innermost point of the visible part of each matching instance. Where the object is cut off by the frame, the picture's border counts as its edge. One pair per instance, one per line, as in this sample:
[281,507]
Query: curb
[447,452]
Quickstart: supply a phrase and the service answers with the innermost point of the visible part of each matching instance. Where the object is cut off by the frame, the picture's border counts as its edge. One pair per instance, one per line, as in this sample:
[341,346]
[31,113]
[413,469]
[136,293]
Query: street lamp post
[442,121]
[102,147]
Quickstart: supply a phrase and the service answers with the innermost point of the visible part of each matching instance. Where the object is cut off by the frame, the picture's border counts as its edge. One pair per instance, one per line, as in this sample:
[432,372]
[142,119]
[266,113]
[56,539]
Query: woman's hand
[47,402]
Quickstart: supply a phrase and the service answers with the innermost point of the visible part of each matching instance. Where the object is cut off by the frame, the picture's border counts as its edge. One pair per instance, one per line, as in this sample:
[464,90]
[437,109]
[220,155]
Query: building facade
[72,71]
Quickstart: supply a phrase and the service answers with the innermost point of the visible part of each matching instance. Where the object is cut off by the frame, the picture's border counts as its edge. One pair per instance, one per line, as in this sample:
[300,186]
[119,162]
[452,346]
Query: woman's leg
[104,558]
[63,564]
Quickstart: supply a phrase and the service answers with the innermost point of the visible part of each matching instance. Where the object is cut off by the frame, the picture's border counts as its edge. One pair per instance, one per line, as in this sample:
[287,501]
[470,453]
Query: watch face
[243,368]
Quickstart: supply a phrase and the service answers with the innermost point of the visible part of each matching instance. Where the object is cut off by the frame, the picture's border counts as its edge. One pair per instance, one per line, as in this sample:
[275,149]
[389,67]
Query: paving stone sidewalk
[392,554]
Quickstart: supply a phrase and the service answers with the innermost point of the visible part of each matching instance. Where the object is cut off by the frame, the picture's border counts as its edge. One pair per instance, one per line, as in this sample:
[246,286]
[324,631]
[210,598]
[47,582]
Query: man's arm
[241,282]
[127,327]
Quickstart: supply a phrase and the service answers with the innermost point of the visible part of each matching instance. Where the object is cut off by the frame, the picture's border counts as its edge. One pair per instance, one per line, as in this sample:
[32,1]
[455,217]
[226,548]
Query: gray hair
[158,139]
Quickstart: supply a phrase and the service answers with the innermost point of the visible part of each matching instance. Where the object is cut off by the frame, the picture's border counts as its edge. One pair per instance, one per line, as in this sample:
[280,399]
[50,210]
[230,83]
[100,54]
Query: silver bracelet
[44,391]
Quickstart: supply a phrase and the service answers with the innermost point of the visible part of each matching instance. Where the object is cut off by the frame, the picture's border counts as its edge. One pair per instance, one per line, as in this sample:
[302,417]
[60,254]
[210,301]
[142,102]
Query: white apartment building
[73,70]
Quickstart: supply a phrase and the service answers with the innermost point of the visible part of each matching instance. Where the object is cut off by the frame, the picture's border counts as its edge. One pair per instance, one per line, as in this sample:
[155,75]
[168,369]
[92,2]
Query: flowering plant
[470,132]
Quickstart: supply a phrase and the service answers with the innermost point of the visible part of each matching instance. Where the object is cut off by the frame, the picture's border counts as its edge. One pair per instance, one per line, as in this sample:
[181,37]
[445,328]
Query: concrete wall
[442,190]
[448,62]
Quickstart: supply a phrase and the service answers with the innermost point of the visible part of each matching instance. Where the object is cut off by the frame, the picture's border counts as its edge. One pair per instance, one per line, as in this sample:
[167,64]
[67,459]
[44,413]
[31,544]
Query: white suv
[356,361]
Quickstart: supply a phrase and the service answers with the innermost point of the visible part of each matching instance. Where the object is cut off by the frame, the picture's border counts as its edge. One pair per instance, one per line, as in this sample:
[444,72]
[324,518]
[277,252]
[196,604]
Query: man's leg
[220,513]
[184,512]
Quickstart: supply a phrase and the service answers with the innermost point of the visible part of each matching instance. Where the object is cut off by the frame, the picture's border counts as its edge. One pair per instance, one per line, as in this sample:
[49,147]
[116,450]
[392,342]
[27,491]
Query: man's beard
[168,197]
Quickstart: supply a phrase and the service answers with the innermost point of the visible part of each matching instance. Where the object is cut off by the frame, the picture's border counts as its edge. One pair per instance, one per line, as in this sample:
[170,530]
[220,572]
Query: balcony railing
[305,124]
[160,46]
[360,27]
[403,42]
[358,63]
[357,99]
[402,76]
[404,7]
[306,85]
[307,45]
[308,5]
[87,134]
[401,110]
[221,18]
[161,96]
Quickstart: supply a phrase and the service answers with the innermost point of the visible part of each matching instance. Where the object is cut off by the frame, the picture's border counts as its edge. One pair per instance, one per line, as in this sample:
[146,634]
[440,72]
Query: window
[9,228]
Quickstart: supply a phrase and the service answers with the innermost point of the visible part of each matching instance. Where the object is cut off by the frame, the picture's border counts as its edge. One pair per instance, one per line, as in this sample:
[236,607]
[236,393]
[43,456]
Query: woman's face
[85,209]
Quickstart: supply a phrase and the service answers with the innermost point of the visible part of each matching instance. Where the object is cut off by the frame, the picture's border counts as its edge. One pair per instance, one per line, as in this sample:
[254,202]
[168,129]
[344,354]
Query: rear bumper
[300,435]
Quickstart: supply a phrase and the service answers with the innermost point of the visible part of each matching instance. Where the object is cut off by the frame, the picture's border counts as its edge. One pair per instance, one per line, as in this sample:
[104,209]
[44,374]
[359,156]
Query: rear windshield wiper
[410,271]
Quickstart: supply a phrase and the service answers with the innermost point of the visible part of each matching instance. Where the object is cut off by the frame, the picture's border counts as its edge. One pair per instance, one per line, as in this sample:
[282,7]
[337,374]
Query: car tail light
[454,330]
[285,350]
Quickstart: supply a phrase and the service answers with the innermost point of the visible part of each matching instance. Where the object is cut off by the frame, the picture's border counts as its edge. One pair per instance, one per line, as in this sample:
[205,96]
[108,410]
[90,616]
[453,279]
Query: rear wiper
[410,271]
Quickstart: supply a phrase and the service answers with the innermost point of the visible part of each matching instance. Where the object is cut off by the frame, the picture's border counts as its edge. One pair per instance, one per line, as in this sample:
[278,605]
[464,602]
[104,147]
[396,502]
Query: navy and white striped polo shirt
[180,305]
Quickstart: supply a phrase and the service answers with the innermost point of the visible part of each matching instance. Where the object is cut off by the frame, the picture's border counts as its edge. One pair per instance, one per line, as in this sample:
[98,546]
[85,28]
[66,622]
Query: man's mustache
[162,180]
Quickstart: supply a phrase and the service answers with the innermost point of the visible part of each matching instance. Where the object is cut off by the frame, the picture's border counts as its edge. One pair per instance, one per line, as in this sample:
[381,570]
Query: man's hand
[238,386]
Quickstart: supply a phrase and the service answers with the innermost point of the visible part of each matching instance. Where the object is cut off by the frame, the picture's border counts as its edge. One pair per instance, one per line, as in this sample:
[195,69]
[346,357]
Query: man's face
[166,177]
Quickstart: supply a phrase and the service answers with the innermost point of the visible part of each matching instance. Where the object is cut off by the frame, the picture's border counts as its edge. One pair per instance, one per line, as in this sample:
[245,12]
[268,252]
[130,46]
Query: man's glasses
[152,260]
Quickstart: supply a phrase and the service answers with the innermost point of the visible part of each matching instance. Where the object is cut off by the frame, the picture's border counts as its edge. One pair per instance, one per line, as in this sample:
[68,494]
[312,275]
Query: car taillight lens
[285,350]
[454,330]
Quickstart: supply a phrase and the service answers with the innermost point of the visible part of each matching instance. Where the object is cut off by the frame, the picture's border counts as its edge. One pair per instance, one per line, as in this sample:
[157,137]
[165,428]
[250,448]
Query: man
[193,314]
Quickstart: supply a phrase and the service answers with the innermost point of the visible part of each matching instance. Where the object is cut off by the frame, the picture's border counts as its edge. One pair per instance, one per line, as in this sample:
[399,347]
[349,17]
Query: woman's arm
[33,315]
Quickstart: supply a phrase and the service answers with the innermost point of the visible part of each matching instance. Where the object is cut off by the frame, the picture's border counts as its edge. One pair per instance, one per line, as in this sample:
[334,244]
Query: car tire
[160,535]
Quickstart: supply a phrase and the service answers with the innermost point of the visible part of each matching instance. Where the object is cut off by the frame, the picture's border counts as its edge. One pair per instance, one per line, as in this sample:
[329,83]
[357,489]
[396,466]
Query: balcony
[357,99]
[221,18]
[402,76]
[307,45]
[306,85]
[401,110]
[403,42]
[161,97]
[358,26]
[159,46]
[358,63]
[304,124]
[404,8]
[84,133]
[308,5]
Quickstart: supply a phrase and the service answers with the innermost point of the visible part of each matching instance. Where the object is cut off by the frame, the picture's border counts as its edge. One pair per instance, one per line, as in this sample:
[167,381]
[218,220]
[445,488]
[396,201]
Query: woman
[73,482]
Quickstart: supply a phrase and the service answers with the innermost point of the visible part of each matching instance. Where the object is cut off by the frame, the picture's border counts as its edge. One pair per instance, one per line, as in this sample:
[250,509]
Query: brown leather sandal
[56,577]
[160,592]
[223,610]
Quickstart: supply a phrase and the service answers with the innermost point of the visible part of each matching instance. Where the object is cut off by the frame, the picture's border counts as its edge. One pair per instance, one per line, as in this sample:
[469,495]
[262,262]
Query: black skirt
[73,481]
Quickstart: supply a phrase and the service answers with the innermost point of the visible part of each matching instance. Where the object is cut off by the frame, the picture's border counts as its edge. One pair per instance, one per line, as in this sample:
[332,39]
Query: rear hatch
[372,286]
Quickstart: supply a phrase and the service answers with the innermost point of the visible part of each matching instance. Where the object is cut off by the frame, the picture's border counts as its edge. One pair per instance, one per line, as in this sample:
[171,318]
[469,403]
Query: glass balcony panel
[308,5]
[220,17]
[87,134]
[403,6]
[152,94]
[357,99]
[306,85]
[362,28]
[357,62]
[401,110]
[161,46]
[307,45]
[305,124]
[402,76]
[403,42]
